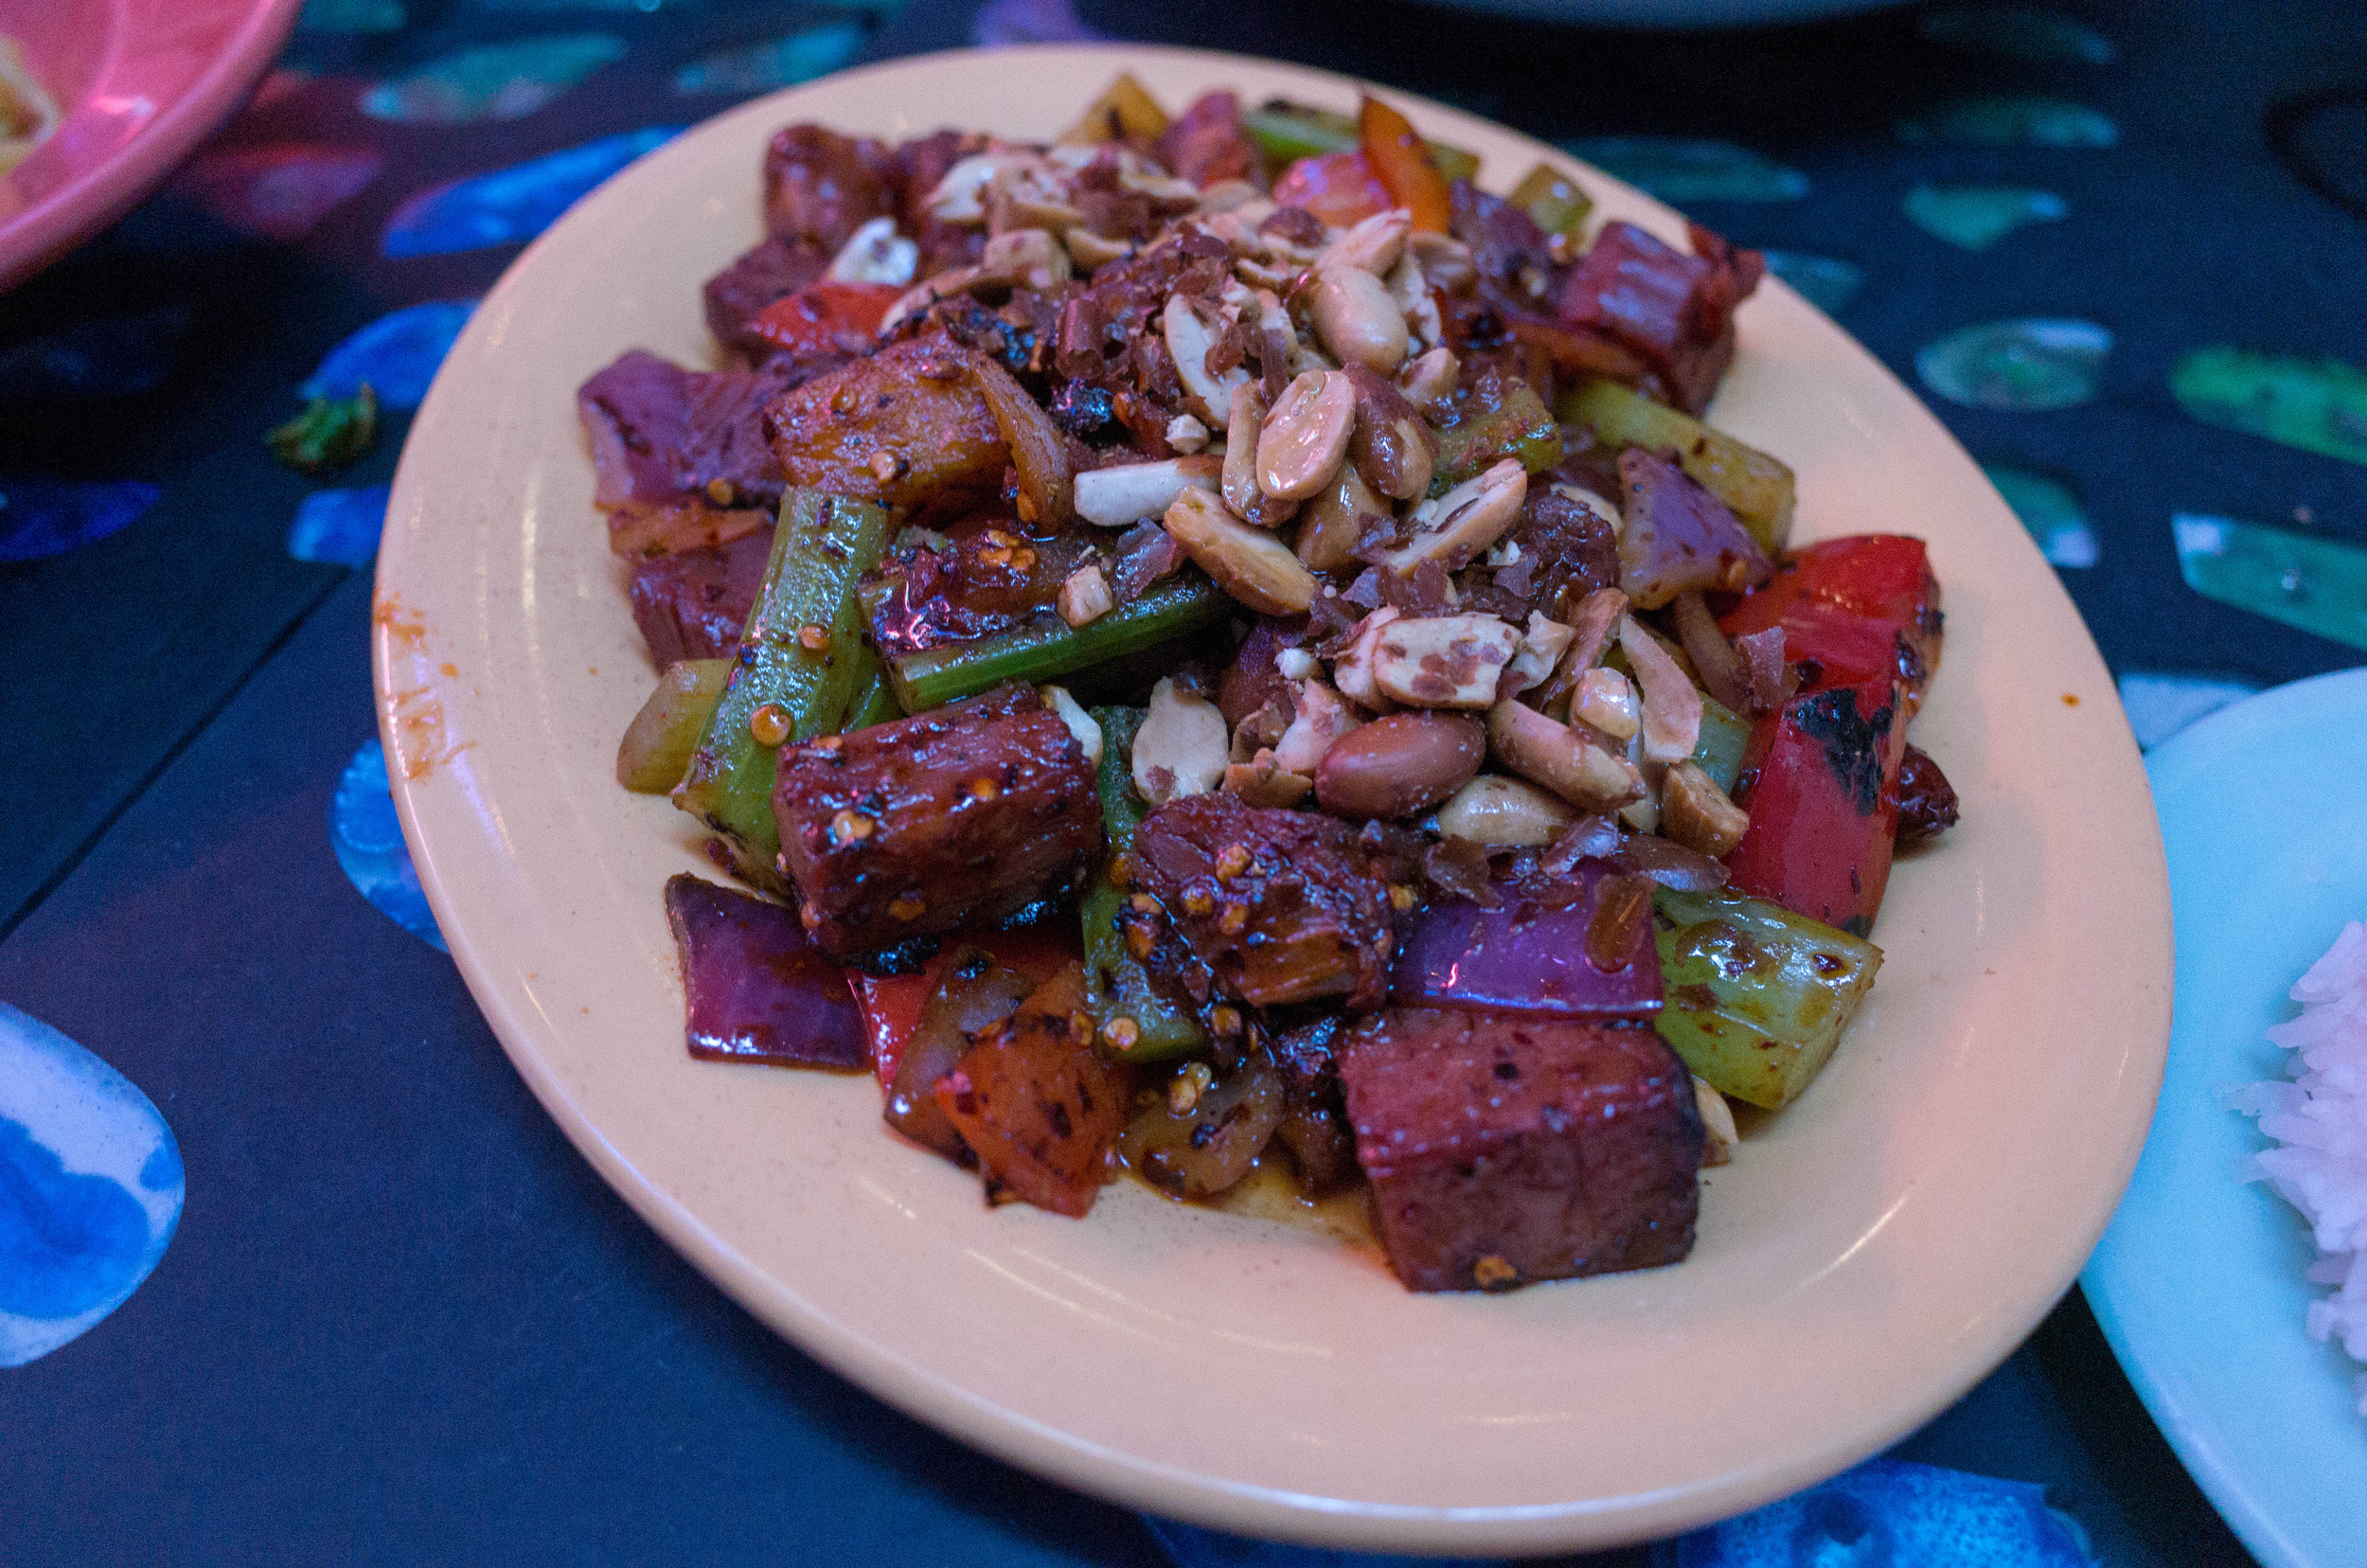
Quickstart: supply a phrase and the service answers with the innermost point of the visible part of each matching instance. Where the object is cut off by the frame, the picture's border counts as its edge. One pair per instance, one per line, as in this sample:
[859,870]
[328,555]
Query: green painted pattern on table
[1977,217]
[2049,511]
[776,62]
[2318,405]
[492,81]
[1825,281]
[2319,585]
[1676,168]
[2014,121]
[2024,365]
[2019,32]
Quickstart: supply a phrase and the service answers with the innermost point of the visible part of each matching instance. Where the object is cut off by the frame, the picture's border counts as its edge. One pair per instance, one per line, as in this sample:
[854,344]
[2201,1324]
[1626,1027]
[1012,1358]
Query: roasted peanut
[1464,521]
[876,254]
[1249,563]
[1121,497]
[1352,671]
[1180,749]
[1397,766]
[1084,596]
[1390,446]
[1263,781]
[1240,489]
[1319,718]
[1358,319]
[1541,647]
[1444,661]
[1672,705]
[1558,758]
[1693,812]
[1189,338]
[1605,700]
[1306,437]
[1025,258]
[1431,379]
[1372,245]
[1090,250]
[1503,813]
[1446,261]
[1330,524]
[1079,723]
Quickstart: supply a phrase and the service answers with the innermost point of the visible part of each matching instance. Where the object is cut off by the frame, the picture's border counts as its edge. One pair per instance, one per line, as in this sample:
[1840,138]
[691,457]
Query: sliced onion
[1712,654]
[1047,481]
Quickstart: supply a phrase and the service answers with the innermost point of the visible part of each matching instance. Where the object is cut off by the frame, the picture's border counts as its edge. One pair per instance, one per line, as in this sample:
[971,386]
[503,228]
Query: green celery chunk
[1718,752]
[1553,199]
[1756,997]
[1519,426]
[1285,132]
[874,698]
[1052,649]
[1120,986]
[1758,489]
[819,551]
[658,743]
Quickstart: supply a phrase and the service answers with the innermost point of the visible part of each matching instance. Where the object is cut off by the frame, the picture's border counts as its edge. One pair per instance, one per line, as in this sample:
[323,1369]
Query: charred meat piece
[757,989]
[1926,802]
[1568,550]
[909,828]
[906,428]
[1274,906]
[820,186]
[1505,1151]
[694,604]
[773,271]
[1314,1125]
[1037,1104]
[1674,311]
[991,579]
[660,435]
[1207,143]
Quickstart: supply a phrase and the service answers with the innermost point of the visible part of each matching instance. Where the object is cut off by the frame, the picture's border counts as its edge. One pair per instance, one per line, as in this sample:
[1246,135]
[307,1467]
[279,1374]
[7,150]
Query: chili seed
[769,725]
[908,906]
[850,828]
[814,640]
[1121,1033]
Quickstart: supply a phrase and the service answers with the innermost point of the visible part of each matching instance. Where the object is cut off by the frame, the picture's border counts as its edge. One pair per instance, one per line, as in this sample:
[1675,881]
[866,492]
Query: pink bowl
[140,84]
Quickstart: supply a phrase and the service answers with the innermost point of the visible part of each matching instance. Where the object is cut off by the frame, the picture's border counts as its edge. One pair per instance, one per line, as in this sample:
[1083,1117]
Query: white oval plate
[2199,1282]
[1875,1250]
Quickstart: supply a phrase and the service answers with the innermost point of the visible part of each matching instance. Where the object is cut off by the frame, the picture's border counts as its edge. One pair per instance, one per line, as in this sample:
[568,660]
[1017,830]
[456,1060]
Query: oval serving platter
[1870,1254]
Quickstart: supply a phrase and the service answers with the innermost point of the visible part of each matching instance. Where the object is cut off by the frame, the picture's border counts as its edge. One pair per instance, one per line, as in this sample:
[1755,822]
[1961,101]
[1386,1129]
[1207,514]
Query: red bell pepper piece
[826,316]
[1853,609]
[1820,779]
[1339,188]
[891,1004]
[1401,161]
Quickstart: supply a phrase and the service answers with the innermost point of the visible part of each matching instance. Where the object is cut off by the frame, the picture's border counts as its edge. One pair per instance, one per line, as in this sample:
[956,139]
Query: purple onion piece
[1526,958]
[1672,866]
[758,990]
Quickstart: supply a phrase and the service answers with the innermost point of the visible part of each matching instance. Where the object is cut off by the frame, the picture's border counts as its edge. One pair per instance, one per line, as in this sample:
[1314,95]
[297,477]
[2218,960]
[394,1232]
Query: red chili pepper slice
[1821,782]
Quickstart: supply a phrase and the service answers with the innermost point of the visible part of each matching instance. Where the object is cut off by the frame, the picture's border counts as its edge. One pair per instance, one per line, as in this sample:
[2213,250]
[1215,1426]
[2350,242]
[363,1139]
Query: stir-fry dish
[1216,646]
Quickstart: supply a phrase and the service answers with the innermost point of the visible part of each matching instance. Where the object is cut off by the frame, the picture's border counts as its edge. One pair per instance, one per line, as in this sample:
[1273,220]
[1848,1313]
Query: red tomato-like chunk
[1853,609]
[1821,783]
[825,317]
[1339,188]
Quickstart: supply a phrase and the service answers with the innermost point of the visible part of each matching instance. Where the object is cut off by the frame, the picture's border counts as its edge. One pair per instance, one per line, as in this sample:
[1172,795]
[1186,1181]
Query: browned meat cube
[1274,906]
[906,428]
[909,828]
[773,271]
[694,605]
[820,186]
[1504,1151]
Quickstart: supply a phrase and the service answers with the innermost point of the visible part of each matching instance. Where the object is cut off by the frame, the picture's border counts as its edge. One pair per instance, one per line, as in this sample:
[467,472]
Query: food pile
[1241,645]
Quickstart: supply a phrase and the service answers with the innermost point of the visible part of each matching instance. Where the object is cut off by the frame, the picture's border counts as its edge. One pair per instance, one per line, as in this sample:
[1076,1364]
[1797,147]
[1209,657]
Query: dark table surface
[402,1319]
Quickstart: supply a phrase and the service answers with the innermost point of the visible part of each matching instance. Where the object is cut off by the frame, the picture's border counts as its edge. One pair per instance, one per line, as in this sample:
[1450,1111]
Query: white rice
[2320,1122]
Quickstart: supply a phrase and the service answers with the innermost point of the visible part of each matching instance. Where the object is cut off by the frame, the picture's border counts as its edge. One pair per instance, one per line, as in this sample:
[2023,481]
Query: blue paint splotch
[116,356]
[1825,281]
[398,354]
[367,838]
[776,62]
[514,205]
[492,81]
[339,527]
[48,517]
[1889,1513]
[91,1189]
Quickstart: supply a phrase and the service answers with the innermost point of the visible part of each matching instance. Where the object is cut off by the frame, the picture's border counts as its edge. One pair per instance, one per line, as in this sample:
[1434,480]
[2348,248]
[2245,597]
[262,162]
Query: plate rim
[2139,1339]
[1177,1491]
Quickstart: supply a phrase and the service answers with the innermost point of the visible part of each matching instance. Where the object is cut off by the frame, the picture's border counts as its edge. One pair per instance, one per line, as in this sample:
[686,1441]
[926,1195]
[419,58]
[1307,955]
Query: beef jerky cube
[773,271]
[906,830]
[1504,1151]
[906,427]
[1275,907]
[694,605]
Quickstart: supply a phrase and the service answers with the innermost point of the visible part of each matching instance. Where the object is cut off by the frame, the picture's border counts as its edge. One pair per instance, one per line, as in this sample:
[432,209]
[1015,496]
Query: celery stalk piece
[1287,132]
[656,750]
[1054,649]
[1756,996]
[1758,489]
[1521,426]
[1120,986]
[795,677]
[1724,734]
[874,698]
[1553,201]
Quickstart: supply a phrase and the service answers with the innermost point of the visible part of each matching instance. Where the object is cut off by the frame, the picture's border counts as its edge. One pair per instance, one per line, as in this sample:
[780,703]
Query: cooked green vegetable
[1756,489]
[656,750]
[330,432]
[1121,989]
[1285,132]
[1520,425]
[875,699]
[800,661]
[1757,996]
[1724,734]
[1553,199]
[1052,649]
